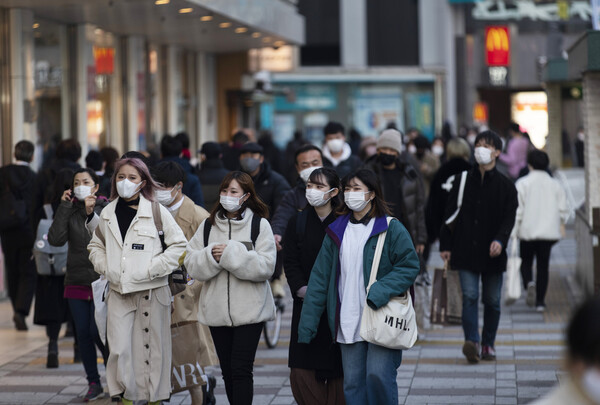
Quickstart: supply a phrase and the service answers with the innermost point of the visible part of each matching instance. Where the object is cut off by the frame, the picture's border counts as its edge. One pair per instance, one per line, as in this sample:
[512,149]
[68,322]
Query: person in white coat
[541,213]
[127,249]
[235,265]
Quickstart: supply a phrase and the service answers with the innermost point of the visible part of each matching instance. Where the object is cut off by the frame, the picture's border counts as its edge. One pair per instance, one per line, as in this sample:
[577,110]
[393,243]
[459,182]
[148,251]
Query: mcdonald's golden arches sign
[497,46]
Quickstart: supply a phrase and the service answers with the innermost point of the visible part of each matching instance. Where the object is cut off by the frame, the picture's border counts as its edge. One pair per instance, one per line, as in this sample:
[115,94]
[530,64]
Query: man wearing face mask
[188,216]
[402,184]
[307,158]
[476,244]
[337,152]
[270,187]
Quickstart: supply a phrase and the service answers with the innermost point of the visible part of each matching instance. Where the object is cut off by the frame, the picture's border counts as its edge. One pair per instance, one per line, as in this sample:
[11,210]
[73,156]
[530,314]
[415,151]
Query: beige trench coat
[189,217]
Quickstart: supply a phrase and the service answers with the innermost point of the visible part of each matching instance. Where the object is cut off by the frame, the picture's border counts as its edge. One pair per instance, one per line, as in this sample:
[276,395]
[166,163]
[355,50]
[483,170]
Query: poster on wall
[420,113]
[284,126]
[375,108]
[529,109]
[306,97]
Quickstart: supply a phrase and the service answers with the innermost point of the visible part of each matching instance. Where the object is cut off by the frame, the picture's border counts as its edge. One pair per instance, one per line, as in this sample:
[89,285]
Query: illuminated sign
[497,46]
[480,113]
[105,60]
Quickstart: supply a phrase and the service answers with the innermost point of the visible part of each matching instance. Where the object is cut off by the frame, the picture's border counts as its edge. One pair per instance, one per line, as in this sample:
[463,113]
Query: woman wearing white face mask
[136,260]
[316,368]
[338,284]
[234,253]
[74,222]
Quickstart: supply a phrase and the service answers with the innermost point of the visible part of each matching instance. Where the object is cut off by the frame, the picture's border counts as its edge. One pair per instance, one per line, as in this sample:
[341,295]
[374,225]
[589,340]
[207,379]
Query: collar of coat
[338,227]
[187,212]
[486,176]
[144,208]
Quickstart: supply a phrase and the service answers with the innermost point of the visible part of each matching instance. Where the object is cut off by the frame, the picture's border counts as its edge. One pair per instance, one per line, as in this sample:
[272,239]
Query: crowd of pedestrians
[243,222]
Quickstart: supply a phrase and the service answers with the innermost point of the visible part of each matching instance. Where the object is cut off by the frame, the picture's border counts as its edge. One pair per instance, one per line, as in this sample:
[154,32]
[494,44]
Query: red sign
[480,113]
[105,60]
[497,46]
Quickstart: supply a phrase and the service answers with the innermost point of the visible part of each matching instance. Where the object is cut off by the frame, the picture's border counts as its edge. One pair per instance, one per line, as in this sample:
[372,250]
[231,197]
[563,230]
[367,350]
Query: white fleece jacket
[236,290]
[542,207]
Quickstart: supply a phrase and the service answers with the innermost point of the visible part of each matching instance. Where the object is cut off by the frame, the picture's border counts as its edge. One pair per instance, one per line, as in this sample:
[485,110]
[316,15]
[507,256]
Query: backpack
[254,230]
[13,211]
[49,260]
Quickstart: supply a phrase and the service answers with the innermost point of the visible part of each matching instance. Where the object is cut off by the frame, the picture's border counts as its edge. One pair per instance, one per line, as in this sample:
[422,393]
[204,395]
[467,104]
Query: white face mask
[412,149]
[305,174]
[437,150]
[590,383]
[165,197]
[355,200]
[483,155]
[316,198]
[127,189]
[231,204]
[471,139]
[81,192]
[336,145]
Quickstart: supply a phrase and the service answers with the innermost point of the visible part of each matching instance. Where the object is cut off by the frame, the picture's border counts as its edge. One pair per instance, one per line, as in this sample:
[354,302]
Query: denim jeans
[370,374]
[491,293]
[87,337]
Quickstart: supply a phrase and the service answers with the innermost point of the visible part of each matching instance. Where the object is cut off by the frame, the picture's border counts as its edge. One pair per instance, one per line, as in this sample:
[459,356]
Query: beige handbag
[394,325]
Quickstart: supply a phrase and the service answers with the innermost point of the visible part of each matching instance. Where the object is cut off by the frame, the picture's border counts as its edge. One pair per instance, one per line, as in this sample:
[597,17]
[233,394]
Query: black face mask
[386,159]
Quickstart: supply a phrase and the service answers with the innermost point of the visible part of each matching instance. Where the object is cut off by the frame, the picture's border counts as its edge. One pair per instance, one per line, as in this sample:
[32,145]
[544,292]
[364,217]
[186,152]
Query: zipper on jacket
[228,281]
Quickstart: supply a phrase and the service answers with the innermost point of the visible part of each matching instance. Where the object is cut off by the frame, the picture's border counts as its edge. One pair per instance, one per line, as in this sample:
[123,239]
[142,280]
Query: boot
[52,359]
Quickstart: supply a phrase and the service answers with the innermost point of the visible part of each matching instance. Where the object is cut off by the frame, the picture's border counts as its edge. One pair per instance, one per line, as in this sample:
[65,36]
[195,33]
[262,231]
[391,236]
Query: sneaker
[471,351]
[95,391]
[540,308]
[488,353]
[19,321]
[208,391]
[530,300]
[277,288]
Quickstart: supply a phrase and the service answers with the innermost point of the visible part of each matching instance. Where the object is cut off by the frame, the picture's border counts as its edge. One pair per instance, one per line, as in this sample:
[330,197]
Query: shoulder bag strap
[48,211]
[254,228]
[377,256]
[158,223]
[207,226]
[461,192]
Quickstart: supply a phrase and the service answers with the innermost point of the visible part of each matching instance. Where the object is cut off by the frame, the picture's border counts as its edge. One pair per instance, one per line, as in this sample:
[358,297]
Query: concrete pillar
[116,102]
[135,66]
[84,55]
[22,83]
[171,90]
[205,107]
[591,122]
[353,33]
[554,139]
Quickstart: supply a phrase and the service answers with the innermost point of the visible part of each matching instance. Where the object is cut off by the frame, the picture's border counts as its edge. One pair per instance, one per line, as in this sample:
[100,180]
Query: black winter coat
[487,215]
[211,175]
[21,183]
[412,190]
[69,226]
[270,187]
[292,202]
[438,195]
[299,255]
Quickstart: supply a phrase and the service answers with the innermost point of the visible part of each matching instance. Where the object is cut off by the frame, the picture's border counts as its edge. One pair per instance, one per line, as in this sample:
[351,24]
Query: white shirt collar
[176,206]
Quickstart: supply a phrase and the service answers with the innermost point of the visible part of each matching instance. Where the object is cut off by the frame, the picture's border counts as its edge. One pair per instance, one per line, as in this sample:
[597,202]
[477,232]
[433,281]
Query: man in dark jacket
[270,187]
[476,246]
[308,158]
[402,185]
[337,152]
[19,180]
[211,173]
[231,151]
[171,148]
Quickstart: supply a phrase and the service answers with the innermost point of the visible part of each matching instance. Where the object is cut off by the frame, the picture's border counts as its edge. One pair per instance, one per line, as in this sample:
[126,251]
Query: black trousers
[20,275]
[236,349]
[540,249]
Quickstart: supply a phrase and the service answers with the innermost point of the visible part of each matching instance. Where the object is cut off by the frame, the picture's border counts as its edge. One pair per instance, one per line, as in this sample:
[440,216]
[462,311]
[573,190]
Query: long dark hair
[253,202]
[369,179]
[328,177]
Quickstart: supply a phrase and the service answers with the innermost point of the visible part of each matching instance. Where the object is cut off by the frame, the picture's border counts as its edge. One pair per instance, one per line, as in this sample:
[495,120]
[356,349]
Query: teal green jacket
[398,268]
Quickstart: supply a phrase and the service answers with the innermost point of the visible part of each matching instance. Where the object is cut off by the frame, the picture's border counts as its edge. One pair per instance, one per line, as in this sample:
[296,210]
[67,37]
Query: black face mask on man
[386,159]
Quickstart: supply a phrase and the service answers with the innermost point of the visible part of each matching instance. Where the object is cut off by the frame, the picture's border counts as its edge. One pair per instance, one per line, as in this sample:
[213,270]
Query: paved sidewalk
[529,348]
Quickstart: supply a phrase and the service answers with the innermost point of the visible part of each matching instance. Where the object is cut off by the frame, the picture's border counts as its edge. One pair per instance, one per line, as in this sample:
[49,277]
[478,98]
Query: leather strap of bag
[158,224]
[377,256]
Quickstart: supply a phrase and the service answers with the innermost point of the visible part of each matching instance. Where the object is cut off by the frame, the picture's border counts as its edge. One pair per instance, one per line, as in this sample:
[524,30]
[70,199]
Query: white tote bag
[99,288]
[513,274]
[394,325]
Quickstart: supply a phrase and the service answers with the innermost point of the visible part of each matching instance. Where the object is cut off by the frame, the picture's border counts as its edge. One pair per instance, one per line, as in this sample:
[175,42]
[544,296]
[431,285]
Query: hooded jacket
[397,271]
[236,289]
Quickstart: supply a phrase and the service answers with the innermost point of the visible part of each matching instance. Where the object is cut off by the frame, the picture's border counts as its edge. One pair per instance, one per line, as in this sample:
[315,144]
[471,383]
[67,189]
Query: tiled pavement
[529,348]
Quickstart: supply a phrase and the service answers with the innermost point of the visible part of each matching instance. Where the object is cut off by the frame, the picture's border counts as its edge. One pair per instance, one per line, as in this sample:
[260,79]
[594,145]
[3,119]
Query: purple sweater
[516,155]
